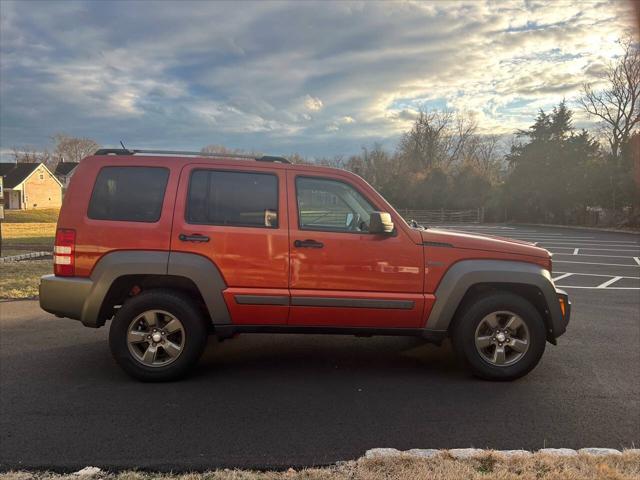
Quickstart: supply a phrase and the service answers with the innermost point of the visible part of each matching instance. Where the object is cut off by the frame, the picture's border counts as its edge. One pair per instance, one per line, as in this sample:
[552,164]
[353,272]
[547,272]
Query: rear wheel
[157,336]
[501,336]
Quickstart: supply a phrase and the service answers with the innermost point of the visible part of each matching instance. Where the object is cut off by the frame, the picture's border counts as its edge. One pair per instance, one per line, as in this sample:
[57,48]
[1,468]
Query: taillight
[64,253]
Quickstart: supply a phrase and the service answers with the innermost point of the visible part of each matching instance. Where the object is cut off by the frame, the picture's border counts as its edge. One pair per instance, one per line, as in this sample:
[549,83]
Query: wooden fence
[435,217]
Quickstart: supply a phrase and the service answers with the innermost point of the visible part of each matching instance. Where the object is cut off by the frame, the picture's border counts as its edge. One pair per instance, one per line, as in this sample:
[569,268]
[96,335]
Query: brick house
[30,185]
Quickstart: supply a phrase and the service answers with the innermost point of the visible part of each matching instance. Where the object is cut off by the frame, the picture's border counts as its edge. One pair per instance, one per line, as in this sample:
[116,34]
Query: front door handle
[307,244]
[196,237]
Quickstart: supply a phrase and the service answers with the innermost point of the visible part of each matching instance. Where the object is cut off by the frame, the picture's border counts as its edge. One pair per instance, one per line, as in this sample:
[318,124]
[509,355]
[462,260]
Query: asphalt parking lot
[277,401]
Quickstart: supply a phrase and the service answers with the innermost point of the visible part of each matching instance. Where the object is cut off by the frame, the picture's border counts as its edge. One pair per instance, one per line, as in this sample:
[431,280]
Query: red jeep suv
[172,246]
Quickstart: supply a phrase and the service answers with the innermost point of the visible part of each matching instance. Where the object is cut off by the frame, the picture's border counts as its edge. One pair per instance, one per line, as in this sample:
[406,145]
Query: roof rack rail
[124,151]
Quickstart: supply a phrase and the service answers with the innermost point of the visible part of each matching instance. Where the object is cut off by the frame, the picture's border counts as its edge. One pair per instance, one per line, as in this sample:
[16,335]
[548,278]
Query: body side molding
[243,299]
[352,303]
[466,273]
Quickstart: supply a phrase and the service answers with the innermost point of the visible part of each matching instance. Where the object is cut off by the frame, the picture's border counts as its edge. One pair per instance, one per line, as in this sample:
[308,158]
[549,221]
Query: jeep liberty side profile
[174,246]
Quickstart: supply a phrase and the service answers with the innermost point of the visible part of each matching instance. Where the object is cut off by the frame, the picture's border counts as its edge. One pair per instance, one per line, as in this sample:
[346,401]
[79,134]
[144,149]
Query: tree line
[66,148]
[551,172]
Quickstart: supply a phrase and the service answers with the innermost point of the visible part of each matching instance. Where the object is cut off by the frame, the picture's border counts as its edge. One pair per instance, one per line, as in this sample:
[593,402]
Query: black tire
[464,335]
[194,334]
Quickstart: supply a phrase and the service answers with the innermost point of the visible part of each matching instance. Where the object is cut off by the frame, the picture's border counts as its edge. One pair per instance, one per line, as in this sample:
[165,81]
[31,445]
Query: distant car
[172,247]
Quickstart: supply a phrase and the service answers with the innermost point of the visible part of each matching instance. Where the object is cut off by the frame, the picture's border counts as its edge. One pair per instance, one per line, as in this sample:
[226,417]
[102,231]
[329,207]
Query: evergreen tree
[548,179]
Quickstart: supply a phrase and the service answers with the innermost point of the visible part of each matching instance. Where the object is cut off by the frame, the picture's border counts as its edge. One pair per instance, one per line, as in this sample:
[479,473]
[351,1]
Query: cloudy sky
[281,77]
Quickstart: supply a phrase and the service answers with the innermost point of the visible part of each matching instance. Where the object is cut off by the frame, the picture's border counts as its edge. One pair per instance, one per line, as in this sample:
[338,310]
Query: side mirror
[380,222]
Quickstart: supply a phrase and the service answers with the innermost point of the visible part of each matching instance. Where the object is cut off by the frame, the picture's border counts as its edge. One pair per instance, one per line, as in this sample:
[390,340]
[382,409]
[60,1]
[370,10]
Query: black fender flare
[197,268]
[207,277]
[463,275]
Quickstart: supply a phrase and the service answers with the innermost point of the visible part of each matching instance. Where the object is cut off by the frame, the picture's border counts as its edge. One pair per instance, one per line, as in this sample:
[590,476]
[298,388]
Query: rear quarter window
[129,194]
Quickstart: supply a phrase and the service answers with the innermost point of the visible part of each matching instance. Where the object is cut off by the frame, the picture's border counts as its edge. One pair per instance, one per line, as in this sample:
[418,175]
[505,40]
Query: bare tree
[32,155]
[73,149]
[483,154]
[618,104]
[297,159]
[461,140]
[374,164]
[337,161]
[214,148]
[437,139]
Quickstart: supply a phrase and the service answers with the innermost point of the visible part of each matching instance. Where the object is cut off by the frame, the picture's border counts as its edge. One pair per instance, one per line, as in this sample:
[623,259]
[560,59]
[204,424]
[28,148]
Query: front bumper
[64,296]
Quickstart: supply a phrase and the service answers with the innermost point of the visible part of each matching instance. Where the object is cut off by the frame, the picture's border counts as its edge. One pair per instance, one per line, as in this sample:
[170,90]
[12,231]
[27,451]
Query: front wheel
[157,335]
[501,336]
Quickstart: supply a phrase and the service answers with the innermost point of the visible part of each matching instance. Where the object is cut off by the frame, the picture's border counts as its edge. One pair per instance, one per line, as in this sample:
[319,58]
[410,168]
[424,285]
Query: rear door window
[129,194]
[240,199]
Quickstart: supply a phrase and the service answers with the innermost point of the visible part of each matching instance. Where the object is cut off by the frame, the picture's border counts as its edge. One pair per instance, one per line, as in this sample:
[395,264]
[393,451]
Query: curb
[24,299]
[24,256]
[467,453]
[458,454]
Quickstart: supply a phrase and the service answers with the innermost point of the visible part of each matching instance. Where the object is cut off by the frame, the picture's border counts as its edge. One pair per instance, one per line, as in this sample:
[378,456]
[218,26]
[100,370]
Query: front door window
[331,206]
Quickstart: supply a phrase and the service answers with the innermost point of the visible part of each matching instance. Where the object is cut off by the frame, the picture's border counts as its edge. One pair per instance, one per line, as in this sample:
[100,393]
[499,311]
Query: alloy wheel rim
[155,338]
[502,338]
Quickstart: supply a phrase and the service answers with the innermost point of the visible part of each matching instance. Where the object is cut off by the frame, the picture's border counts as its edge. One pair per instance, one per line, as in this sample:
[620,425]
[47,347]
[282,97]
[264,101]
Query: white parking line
[573,239]
[479,227]
[596,275]
[564,275]
[587,246]
[590,255]
[608,282]
[554,240]
[546,235]
[581,239]
[551,235]
[603,264]
[605,248]
[596,288]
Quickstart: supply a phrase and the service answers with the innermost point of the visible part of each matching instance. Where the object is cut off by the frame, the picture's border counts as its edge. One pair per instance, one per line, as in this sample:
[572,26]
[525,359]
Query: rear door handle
[196,237]
[307,244]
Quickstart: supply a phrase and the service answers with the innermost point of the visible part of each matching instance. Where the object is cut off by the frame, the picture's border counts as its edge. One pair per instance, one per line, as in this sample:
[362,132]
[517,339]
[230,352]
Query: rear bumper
[64,296]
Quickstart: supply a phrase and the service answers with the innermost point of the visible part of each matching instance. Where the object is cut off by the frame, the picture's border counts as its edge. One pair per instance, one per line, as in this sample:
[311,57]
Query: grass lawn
[27,237]
[21,279]
[44,215]
[443,467]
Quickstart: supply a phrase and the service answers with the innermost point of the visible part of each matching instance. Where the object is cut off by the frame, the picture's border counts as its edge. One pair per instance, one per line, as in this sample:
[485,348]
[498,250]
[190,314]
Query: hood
[488,243]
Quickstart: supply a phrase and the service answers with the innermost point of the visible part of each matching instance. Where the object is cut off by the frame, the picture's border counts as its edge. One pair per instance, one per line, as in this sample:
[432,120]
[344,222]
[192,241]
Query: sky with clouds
[281,77]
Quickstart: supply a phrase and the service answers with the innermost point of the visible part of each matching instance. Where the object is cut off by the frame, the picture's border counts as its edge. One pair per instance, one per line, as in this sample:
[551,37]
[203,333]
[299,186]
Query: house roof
[64,168]
[5,168]
[16,173]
